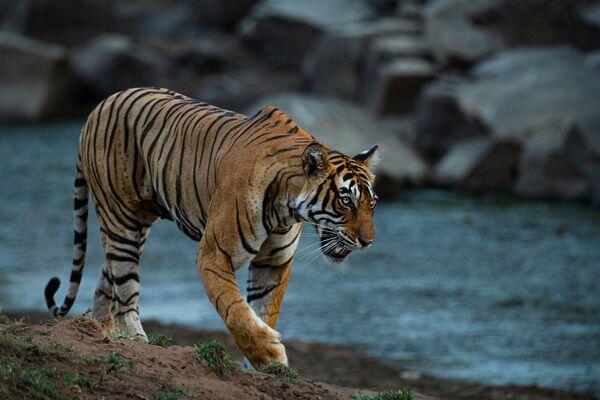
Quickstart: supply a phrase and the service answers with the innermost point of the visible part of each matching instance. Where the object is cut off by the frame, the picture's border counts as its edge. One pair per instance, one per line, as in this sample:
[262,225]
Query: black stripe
[125,278]
[114,257]
[75,276]
[257,296]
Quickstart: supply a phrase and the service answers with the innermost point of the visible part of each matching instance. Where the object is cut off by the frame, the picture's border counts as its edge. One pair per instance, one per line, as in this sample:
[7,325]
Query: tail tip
[51,288]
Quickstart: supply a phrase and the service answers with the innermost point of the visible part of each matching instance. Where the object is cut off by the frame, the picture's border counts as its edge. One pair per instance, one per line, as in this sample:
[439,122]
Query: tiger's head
[338,199]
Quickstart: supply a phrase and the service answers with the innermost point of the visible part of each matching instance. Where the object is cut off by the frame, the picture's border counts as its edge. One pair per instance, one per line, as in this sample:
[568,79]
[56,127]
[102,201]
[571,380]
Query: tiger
[242,186]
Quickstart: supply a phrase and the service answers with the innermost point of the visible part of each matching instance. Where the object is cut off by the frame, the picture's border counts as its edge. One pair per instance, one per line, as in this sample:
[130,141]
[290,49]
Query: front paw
[264,347]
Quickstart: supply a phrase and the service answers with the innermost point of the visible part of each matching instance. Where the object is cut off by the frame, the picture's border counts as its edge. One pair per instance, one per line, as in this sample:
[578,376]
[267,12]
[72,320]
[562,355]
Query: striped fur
[241,186]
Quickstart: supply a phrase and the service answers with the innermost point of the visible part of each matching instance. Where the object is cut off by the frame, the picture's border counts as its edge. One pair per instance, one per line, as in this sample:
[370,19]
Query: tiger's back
[157,153]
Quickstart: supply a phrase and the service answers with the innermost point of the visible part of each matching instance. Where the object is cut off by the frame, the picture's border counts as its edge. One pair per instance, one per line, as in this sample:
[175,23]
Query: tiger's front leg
[259,343]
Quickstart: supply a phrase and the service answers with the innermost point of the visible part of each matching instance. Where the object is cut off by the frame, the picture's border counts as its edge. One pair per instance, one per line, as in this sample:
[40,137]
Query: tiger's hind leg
[104,297]
[122,249]
[116,306]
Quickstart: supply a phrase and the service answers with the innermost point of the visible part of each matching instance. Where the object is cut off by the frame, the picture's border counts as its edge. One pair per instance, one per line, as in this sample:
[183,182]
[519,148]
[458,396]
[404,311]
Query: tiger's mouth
[335,248]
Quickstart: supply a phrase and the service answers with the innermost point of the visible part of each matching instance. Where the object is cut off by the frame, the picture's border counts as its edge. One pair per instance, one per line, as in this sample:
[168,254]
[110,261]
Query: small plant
[3,318]
[117,362]
[169,394]
[119,334]
[15,330]
[9,368]
[163,340]
[281,372]
[39,380]
[76,380]
[216,358]
[402,394]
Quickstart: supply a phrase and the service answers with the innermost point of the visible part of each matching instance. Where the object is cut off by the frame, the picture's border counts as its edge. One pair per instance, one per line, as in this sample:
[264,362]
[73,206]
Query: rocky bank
[492,95]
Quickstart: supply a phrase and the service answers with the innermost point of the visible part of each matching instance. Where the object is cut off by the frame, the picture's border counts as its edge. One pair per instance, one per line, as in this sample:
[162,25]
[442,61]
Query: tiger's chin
[335,253]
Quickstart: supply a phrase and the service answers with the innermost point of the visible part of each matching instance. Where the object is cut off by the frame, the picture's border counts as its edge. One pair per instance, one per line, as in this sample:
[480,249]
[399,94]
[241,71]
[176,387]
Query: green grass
[216,358]
[76,379]
[402,394]
[15,330]
[39,380]
[163,340]
[171,393]
[119,334]
[117,362]
[281,372]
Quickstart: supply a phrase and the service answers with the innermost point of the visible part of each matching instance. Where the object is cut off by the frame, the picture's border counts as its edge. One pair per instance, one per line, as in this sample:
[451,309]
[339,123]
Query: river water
[489,290]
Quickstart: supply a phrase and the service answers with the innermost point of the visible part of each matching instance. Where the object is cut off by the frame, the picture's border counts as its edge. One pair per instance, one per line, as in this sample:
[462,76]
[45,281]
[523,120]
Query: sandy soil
[176,371]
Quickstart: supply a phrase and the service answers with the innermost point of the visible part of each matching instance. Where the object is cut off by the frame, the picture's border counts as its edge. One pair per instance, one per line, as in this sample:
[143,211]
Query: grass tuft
[281,372]
[171,393]
[75,380]
[39,380]
[163,340]
[402,394]
[117,362]
[216,358]
[119,334]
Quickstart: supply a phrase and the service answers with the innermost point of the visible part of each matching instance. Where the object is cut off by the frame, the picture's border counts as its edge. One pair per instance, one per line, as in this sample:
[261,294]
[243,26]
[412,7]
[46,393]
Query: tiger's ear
[315,161]
[369,157]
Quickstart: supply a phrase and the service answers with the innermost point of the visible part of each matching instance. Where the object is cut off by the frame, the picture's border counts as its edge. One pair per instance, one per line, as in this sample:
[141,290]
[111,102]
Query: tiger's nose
[365,242]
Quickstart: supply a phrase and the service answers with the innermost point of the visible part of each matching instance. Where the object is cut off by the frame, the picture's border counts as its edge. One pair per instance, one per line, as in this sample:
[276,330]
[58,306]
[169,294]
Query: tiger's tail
[80,213]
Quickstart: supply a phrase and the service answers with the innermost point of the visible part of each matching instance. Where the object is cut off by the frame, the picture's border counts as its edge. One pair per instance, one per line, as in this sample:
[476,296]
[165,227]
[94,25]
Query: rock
[545,169]
[76,22]
[385,49]
[524,96]
[591,14]
[35,78]
[582,148]
[593,59]
[336,66]
[543,22]
[522,89]
[439,121]
[479,164]
[225,13]
[454,39]
[239,88]
[350,129]
[111,62]
[398,84]
[284,31]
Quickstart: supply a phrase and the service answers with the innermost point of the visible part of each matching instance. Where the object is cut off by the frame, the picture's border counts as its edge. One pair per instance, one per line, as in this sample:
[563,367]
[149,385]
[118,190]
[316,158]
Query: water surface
[498,292]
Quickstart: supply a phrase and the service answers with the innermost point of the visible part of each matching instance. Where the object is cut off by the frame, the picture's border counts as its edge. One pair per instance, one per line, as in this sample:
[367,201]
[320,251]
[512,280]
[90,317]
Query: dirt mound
[79,350]
[77,358]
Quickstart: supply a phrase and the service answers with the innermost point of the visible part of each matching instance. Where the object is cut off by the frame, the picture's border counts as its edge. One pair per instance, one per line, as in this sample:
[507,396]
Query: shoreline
[347,367]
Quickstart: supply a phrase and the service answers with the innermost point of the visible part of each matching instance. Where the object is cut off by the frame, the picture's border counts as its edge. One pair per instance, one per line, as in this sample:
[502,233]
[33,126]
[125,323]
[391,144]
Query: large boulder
[35,78]
[396,87]
[545,169]
[527,96]
[522,89]
[112,62]
[336,65]
[284,31]
[75,22]
[350,129]
[582,148]
[479,164]
[237,89]
[439,121]
[454,38]
[545,22]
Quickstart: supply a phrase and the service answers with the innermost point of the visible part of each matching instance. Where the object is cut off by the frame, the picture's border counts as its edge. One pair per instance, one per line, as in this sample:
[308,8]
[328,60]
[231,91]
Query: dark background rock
[284,31]
[439,121]
[35,78]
